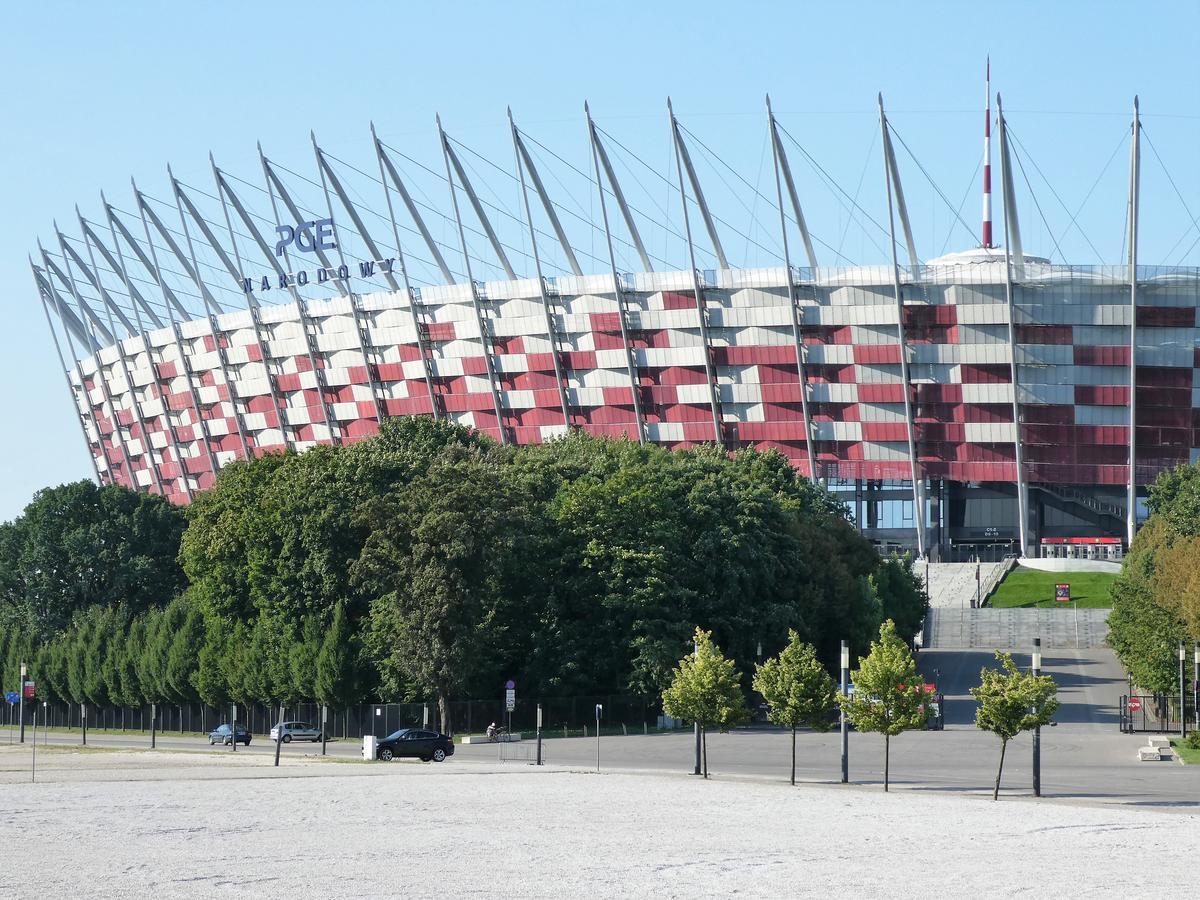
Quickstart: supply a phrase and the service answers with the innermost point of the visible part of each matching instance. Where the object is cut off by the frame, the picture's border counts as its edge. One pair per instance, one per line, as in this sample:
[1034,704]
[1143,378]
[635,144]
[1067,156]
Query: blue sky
[96,93]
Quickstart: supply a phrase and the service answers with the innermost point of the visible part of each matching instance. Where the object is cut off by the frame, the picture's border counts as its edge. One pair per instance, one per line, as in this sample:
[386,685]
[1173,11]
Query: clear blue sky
[95,93]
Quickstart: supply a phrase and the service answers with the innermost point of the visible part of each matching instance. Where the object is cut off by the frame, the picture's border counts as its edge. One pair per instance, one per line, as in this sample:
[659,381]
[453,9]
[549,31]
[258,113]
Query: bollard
[279,736]
[153,725]
[539,734]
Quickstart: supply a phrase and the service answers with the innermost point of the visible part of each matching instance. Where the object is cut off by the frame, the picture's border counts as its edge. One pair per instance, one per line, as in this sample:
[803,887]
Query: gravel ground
[107,824]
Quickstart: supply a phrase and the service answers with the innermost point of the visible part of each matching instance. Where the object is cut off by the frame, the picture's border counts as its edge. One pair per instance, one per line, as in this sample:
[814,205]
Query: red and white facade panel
[300,377]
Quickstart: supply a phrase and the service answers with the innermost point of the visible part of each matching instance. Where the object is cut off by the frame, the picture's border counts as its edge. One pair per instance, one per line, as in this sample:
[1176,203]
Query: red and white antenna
[987,158]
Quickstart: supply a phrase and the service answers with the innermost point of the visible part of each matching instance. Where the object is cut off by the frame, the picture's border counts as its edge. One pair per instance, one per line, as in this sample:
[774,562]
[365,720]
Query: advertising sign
[1062,593]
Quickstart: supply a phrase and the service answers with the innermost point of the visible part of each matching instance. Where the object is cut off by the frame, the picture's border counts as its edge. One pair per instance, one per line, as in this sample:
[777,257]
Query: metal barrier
[520,751]
[1154,713]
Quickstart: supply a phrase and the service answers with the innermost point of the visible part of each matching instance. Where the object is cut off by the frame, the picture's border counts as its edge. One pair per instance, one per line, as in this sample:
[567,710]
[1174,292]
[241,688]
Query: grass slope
[1034,588]
[1189,756]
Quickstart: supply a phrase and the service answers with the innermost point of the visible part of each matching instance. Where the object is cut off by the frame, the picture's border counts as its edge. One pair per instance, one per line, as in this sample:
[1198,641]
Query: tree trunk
[793,755]
[996,790]
[704,748]
[886,759]
[444,713]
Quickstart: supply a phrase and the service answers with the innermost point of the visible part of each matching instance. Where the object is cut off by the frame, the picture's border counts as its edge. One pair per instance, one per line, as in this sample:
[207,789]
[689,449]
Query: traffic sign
[1134,704]
[12,697]
[29,690]
[510,699]
[1062,593]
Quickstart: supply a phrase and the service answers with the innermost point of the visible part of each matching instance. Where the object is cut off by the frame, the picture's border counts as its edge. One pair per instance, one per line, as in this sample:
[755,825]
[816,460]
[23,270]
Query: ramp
[1015,629]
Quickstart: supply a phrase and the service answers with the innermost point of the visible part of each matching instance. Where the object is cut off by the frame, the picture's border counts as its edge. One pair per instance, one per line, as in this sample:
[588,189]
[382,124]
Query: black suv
[413,742]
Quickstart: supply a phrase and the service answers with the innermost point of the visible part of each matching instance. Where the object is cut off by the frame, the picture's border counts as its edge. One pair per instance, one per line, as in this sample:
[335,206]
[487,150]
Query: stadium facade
[980,402]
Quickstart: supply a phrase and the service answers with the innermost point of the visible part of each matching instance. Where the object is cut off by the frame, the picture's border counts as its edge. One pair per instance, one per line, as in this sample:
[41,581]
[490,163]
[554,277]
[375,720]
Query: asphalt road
[1084,758]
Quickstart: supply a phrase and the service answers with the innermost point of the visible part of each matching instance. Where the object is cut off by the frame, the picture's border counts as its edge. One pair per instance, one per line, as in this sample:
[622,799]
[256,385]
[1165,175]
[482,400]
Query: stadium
[978,402]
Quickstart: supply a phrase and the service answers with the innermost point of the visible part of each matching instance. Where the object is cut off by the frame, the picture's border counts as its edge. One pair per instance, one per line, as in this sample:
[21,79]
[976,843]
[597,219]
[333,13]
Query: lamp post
[696,725]
[21,701]
[1182,694]
[1037,731]
[1196,685]
[845,732]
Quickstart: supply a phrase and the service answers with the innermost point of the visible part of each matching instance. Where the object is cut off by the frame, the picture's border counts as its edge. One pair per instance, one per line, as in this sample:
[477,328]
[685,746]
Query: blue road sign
[12,697]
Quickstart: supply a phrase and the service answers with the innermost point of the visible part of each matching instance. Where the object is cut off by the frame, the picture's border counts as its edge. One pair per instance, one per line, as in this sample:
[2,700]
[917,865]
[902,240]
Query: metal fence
[379,719]
[1155,713]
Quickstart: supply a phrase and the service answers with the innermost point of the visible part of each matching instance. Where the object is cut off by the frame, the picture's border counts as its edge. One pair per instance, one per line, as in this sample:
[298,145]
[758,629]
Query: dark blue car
[223,735]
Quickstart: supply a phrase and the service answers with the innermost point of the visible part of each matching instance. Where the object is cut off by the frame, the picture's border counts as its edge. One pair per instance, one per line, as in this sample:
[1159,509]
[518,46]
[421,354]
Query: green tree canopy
[797,689]
[706,689]
[1010,702]
[889,694]
[78,546]
[442,555]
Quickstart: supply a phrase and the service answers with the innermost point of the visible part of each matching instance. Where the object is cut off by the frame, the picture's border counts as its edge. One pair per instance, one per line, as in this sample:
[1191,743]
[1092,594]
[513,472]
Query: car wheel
[385,755]
[287,738]
[439,755]
[228,742]
[211,742]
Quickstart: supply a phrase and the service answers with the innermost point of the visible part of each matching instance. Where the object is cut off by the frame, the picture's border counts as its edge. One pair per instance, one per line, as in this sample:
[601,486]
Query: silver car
[296,731]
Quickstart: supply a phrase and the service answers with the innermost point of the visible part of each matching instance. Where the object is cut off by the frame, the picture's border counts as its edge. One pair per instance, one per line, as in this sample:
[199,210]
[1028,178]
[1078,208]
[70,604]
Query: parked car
[413,742]
[296,731]
[222,734]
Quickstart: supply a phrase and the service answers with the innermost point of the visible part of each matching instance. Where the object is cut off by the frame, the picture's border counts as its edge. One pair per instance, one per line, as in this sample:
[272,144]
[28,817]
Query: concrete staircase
[952,585]
[1015,629]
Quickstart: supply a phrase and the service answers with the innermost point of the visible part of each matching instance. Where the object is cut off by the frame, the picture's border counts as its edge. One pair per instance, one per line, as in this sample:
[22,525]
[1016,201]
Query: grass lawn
[1187,754]
[1032,587]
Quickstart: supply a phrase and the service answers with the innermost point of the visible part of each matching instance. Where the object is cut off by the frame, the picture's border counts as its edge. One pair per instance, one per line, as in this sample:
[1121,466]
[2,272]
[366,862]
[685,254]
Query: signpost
[599,713]
[539,734]
[12,698]
[510,700]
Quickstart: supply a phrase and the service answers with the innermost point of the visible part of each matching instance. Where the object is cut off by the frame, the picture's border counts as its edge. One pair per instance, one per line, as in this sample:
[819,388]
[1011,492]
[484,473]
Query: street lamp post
[845,732]
[1182,694]
[1196,686]
[21,701]
[1037,731]
[696,656]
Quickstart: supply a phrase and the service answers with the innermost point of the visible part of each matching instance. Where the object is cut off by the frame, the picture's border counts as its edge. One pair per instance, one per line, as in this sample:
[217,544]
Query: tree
[183,651]
[1010,702]
[442,554]
[902,596]
[797,689]
[337,680]
[889,694]
[80,545]
[706,689]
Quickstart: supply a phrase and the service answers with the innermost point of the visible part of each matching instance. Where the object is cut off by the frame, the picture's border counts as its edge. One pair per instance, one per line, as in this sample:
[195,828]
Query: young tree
[337,681]
[1010,702]
[706,688]
[889,695]
[797,689]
